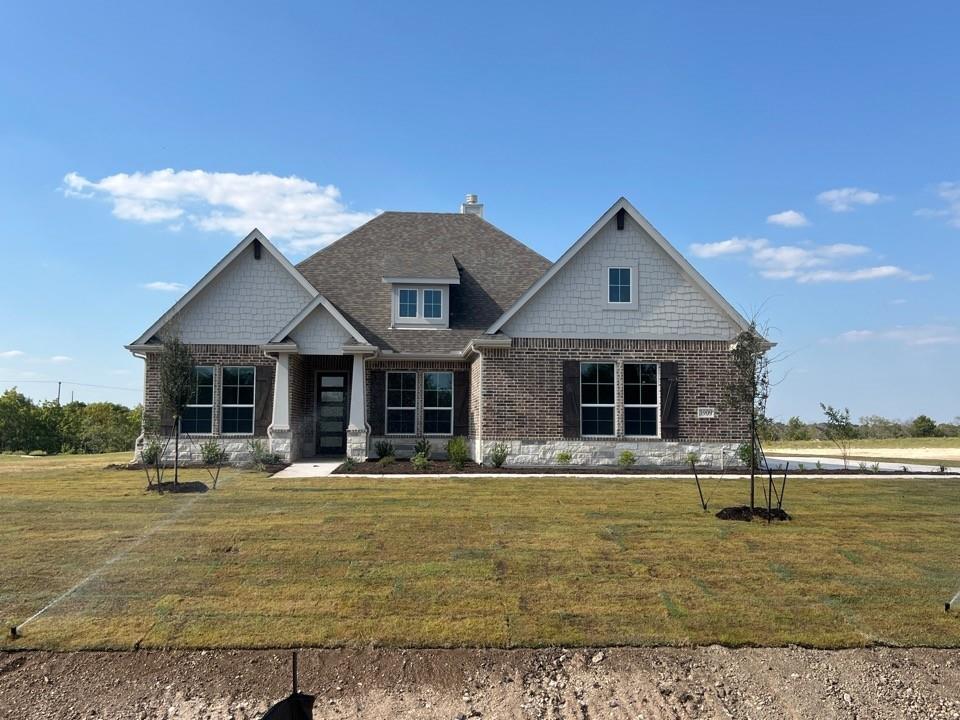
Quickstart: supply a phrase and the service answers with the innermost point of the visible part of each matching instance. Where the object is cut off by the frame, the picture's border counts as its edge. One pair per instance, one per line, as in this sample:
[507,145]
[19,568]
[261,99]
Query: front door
[332,412]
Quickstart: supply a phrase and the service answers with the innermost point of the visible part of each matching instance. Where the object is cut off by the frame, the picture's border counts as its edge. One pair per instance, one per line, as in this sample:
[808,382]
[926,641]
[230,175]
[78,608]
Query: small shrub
[212,453]
[37,453]
[564,458]
[498,456]
[745,453]
[150,453]
[260,456]
[863,467]
[626,459]
[383,448]
[423,447]
[693,458]
[819,465]
[801,467]
[420,462]
[386,460]
[904,468]
[349,464]
[457,451]
[875,467]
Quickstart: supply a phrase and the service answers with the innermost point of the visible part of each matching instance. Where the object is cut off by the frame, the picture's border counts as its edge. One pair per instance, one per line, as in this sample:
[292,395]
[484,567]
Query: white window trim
[453,390]
[420,321]
[213,393]
[640,405]
[613,405]
[387,407]
[252,405]
[619,303]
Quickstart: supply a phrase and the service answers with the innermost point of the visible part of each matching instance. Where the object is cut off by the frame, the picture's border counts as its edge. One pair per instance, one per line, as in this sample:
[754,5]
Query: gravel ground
[460,684]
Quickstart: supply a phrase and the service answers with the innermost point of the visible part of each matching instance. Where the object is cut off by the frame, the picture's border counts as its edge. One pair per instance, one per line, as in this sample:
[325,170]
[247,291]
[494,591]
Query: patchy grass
[458,562]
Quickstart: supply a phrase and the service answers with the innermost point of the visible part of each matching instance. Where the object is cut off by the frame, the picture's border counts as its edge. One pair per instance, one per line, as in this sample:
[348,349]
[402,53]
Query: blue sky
[713,122]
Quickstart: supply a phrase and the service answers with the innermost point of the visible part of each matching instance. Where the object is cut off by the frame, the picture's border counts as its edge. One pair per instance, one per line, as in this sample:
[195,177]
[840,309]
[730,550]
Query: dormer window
[432,304]
[407,302]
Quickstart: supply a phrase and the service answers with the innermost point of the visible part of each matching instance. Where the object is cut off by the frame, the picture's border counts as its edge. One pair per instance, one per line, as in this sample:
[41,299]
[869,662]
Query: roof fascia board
[393,280]
[664,244]
[254,234]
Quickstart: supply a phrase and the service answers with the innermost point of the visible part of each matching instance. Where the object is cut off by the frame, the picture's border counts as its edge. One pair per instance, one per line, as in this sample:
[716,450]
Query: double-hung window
[438,403]
[597,398]
[236,411]
[198,415]
[401,403]
[432,303]
[407,303]
[641,391]
[618,285]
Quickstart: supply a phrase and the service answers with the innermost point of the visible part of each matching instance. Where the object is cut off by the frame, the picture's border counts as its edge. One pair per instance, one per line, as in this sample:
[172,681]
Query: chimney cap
[471,206]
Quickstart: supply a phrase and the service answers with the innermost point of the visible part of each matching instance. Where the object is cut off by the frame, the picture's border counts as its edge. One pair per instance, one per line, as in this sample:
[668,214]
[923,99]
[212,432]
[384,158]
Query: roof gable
[317,318]
[679,302]
[285,301]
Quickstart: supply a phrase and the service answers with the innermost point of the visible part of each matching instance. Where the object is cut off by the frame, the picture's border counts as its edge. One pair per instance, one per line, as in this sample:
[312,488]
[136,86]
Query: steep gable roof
[494,270]
[254,236]
[685,267]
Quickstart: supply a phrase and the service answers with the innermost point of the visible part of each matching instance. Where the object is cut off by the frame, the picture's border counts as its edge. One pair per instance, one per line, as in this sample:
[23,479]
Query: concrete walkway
[832,463]
[309,468]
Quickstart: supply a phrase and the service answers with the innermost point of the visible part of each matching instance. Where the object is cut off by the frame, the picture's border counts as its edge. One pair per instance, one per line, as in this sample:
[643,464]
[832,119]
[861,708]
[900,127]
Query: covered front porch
[318,407]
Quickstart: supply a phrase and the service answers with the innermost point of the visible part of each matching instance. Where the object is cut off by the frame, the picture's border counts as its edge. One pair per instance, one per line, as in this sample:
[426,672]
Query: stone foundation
[238,450]
[655,453]
[357,444]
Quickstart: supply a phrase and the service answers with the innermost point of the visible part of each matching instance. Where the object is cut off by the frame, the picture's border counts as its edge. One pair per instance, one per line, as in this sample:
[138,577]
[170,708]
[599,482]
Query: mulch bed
[443,467]
[745,514]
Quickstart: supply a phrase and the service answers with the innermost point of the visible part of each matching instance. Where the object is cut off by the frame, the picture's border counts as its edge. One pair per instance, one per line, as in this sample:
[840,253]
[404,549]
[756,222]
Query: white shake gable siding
[246,304]
[667,304]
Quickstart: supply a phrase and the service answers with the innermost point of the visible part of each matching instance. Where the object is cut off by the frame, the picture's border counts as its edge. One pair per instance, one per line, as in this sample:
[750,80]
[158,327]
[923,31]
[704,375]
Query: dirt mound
[744,513]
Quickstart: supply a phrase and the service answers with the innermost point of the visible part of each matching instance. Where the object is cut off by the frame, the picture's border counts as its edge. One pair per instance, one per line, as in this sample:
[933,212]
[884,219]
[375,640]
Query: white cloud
[61,359]
[12,353]
[788,218]
[804,264]
[298,213]
[844,199]
[726,247]
[165,286]
[915,335]
[949,192]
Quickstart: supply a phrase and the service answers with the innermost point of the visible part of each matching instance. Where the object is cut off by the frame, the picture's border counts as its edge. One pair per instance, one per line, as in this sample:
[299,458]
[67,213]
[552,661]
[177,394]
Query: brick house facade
[439,324]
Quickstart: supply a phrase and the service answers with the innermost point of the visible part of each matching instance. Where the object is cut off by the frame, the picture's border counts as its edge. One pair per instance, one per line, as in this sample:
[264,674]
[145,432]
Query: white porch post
[357,429]
[279,430]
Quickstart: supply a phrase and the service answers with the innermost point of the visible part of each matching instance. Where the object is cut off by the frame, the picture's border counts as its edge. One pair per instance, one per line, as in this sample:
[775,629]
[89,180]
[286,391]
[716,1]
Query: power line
[78,384]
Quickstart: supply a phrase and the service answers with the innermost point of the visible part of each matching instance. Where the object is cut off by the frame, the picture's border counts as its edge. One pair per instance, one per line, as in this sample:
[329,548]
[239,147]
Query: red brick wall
[522,387]
[214,355]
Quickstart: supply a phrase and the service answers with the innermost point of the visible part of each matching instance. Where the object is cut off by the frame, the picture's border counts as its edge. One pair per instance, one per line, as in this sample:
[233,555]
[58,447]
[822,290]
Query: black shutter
[461,403]
[166,422]
[571,398]
[669,407]
[263,409]
[377,408]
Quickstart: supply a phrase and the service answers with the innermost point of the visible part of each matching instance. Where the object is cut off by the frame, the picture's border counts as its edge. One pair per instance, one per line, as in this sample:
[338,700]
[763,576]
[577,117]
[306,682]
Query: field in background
[488,562]
[924,451]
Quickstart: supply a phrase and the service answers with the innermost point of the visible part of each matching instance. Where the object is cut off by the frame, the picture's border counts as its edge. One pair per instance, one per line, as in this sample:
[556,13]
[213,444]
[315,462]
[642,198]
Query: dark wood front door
[333,408]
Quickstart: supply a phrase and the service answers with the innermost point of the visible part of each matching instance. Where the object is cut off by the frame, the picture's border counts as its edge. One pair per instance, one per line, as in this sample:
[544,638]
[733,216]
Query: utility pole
[58,392]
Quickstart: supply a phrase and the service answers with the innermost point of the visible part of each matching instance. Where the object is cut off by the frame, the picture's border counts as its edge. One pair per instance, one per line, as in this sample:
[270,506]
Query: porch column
[279,430]
[357,429]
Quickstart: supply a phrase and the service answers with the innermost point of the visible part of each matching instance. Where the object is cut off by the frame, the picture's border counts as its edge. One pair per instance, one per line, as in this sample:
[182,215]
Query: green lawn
[489,562]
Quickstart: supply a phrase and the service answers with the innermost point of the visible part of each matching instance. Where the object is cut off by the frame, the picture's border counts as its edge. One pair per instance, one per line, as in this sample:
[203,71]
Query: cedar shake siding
[522,391]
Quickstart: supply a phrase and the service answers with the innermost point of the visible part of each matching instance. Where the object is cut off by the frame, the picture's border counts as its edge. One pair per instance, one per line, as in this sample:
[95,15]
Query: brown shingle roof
[494,269]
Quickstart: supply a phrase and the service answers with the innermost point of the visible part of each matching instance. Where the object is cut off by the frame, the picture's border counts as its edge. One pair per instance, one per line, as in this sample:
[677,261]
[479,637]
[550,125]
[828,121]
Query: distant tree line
[48,427]
[869,427]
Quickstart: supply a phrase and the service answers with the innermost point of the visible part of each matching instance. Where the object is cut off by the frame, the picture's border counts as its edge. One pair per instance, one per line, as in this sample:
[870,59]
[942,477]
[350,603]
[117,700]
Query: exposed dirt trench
[584,684]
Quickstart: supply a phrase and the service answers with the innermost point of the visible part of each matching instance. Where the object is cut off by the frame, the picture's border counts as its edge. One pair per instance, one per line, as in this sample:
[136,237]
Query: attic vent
[256,249]
[621,213]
